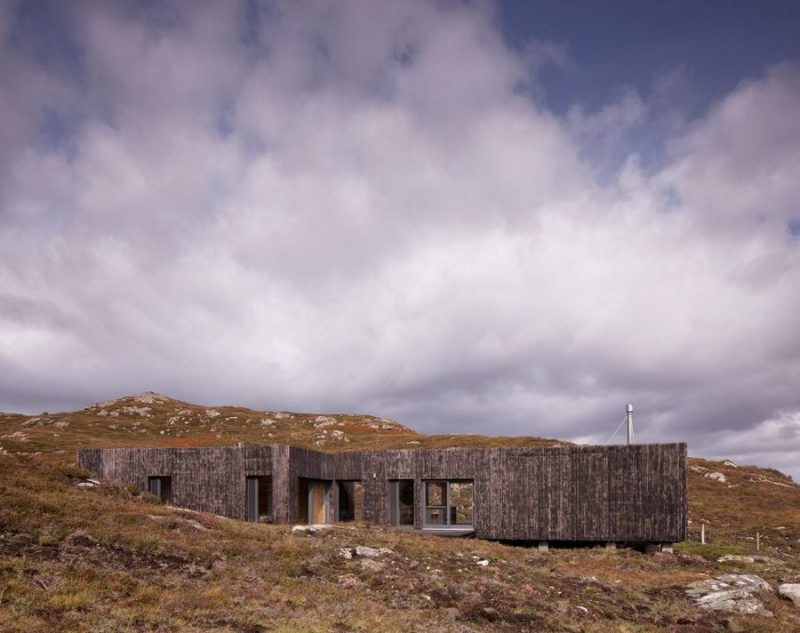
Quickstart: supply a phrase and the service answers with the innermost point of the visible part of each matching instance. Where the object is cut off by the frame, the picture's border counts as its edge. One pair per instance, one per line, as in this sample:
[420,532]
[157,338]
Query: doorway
[313,501]
[161,487]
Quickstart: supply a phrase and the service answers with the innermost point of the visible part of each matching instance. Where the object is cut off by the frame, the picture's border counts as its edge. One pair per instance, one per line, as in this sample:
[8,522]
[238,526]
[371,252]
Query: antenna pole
[630,424]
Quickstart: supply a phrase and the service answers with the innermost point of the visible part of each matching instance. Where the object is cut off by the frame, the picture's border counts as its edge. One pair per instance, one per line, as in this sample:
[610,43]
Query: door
[312,502]
[316,501]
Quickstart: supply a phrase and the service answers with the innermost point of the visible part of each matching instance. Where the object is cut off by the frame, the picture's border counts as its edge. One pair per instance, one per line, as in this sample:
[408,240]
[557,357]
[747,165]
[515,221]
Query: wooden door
[317,489]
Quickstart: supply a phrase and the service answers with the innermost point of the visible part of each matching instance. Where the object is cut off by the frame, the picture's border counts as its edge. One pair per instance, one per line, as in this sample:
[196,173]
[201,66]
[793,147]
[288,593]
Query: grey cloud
[355,207]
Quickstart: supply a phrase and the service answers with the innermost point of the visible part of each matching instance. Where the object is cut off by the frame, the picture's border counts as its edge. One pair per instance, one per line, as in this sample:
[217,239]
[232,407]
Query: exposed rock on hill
[731,593]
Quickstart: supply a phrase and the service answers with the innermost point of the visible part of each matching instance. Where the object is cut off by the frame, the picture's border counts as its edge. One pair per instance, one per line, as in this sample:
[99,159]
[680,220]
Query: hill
[110,558]
[150,419]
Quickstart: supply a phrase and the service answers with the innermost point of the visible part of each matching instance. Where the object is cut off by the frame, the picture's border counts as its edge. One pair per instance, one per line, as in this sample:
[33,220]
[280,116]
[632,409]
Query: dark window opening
[351,501]
[448,504]
[160,487]
[258,501]
[401,502]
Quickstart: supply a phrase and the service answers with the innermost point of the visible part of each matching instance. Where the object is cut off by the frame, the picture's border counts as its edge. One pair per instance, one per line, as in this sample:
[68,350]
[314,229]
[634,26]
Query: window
[160,487]
[258,500]
[351,501]
[401,502]
[448,504]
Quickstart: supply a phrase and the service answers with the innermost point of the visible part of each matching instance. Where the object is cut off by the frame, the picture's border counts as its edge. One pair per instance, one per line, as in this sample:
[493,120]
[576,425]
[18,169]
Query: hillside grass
[97,560]
[113,559]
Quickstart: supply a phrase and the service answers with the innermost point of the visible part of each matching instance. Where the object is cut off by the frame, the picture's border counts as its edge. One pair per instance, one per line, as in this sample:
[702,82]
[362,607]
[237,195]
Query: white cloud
[357,209]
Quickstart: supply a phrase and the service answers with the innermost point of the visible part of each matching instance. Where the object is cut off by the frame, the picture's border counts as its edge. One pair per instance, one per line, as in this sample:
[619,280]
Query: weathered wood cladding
[575,493]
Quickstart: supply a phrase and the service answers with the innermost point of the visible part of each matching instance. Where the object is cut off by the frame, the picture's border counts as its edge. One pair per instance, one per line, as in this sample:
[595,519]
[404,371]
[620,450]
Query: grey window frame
[447,525]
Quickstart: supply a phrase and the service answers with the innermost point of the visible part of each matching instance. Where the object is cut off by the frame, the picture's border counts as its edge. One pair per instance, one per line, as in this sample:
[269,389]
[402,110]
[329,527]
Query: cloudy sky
[502,218]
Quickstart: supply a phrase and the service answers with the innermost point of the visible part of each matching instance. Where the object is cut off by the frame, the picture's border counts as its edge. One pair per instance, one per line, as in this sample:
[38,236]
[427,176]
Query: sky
[472,217]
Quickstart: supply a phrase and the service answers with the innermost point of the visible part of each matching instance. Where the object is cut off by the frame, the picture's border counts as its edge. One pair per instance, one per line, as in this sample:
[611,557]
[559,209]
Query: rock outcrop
[731,593]
[790,591]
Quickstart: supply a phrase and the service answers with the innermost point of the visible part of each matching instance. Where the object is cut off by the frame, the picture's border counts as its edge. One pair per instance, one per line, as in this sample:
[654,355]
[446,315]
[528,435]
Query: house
[602,494]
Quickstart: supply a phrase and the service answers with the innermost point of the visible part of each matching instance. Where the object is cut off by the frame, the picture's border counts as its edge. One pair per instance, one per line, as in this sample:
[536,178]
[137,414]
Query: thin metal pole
[630,424]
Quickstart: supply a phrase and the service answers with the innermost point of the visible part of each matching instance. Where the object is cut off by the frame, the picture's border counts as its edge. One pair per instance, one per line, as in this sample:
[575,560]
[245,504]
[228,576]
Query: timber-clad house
[634,493]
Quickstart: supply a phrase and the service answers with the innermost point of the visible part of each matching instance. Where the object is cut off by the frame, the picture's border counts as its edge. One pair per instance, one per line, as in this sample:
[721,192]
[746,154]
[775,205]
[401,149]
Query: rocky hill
[80,557]
[150,419]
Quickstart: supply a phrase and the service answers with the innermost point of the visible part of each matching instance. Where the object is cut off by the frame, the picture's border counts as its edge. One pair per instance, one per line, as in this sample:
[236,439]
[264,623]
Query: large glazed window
[461,501]
[449,503]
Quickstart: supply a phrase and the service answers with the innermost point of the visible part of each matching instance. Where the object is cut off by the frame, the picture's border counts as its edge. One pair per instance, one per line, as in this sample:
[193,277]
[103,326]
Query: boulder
[309,529]
[790,591]
[734,558]
[730,593]
[364,552]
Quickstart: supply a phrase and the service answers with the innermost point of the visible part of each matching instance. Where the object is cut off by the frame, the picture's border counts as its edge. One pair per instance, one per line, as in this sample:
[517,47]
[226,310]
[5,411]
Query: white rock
[730,593]
[733,558]
[755,558]
[728,462]
[372,552]
[322,421]
[790,591]
[716,476]
[364,552]
[140,411]
[149,397]
[309,529]
[483,562]
[212,413]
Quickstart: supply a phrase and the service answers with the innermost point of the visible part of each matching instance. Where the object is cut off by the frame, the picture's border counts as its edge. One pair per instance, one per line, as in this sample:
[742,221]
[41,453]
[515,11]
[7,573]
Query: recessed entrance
[161,487]
[313,501]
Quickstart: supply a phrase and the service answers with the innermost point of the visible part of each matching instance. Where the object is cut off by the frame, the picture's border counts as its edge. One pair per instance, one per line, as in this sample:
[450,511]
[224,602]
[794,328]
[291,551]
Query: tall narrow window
[258,500]
[160,487]
[449,504]
[351,501]
[401,502]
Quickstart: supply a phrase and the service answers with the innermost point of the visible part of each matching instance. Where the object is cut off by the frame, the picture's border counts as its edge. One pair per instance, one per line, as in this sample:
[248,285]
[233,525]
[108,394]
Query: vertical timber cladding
[582,493]
[281,485]
[647,492]
[204,479]
[585,493]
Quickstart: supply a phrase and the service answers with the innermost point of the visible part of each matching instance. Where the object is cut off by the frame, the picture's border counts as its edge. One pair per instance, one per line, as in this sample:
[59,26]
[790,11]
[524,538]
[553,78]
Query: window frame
[447,507]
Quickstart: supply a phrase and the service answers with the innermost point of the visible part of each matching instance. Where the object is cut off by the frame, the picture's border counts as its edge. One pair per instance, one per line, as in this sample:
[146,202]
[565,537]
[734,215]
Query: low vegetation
[111,558]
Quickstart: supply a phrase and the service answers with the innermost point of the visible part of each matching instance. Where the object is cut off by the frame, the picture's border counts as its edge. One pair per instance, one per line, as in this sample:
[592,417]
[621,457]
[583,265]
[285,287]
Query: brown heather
[94,560]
